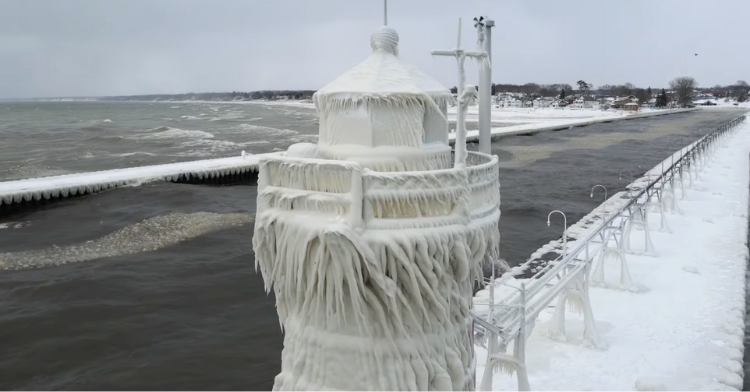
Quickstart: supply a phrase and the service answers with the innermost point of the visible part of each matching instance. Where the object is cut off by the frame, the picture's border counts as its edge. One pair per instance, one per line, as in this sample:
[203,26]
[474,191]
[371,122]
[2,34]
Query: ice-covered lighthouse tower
[372,238]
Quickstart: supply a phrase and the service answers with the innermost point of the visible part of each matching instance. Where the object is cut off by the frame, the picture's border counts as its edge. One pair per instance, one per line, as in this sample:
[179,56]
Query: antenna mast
[385,12]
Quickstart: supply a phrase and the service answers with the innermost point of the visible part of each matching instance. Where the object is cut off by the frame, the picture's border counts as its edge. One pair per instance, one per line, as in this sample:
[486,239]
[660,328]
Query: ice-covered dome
[382,75]
[385,113]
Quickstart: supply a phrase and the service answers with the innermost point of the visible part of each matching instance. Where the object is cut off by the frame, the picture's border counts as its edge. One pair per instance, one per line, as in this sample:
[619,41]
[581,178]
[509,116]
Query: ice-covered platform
[44,188]
[671,318]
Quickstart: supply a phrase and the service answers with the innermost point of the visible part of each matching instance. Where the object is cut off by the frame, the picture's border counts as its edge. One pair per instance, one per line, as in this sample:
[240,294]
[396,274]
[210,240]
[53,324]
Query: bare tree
[740,90]
[642,95]
[583,87]
[683,88]
[630,87]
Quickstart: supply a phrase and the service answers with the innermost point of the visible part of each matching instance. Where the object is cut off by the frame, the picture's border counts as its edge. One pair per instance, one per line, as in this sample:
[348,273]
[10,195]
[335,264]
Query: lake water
[158,288]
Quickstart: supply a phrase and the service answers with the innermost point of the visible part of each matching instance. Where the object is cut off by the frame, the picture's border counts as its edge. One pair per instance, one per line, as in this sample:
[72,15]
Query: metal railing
[510,316]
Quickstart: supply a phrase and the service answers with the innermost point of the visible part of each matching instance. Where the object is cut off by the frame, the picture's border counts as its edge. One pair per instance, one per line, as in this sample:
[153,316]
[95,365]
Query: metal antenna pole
[460,55]
[485,86]
[385,12]
[458,41]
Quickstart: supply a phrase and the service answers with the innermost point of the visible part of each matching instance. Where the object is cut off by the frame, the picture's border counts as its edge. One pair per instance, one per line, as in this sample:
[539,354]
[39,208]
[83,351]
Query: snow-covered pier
[222,170]
[530,129]
[678,291]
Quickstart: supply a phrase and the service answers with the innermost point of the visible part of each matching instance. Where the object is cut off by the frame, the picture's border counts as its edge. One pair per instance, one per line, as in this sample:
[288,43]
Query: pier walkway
[45,188]
[664,280]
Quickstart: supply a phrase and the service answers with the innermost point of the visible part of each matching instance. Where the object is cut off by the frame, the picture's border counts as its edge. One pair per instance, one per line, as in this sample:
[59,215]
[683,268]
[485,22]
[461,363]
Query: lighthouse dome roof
[382,76]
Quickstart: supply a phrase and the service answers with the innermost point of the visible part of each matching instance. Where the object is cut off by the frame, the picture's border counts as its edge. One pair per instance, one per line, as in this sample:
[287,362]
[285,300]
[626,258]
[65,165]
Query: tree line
[222,96]
[682,90]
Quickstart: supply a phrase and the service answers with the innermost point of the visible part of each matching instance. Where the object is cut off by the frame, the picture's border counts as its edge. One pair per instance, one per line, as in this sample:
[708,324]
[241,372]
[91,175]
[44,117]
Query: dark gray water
[49,138]
[194,315]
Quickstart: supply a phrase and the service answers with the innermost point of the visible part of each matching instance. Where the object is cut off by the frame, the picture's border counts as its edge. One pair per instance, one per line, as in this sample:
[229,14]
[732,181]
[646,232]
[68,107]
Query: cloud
[120,47]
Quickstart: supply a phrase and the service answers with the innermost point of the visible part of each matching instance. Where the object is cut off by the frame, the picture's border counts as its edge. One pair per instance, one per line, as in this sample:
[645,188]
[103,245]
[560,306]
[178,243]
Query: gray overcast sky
[125,47]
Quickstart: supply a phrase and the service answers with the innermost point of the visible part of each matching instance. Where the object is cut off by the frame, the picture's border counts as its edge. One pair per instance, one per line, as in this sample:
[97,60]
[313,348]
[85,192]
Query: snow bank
[683,326]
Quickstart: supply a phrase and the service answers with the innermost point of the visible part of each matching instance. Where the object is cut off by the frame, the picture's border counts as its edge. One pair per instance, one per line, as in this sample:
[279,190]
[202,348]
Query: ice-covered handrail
[321,185]
[454,194]
[519,308]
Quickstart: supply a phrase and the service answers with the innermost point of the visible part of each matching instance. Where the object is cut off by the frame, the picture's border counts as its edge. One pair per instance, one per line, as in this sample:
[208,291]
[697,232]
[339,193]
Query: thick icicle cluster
[384,308]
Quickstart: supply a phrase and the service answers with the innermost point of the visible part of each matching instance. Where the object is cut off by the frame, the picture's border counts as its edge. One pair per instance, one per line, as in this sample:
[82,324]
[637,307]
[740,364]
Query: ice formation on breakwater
[146,236]
[371,241]
[45,188]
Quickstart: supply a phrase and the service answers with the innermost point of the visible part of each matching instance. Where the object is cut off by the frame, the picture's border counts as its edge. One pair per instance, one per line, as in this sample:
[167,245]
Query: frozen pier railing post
[371,240]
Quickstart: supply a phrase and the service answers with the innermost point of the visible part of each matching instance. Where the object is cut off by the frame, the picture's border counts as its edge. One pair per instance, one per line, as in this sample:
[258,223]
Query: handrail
[523,308]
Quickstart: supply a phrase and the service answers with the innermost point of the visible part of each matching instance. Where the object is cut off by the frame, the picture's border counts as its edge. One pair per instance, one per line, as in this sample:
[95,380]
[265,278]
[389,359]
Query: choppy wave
[259,130]
[174,133]
[229,116]
[106,120]
[191,118]
[14,225]
[146,236]
[209,147]
[304,139]
[128,154]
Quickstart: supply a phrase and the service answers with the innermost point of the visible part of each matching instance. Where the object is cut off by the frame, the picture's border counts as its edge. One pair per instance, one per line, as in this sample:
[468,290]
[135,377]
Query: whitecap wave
[174,133]
[304,139]
[106,120]
[129,154]
[228,116]
[14,225]
[259,130]
[145,236]
[209,147]
[191,118]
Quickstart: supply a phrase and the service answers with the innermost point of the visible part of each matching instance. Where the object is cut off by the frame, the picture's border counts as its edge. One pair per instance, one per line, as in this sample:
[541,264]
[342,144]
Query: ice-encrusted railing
[436,197]
[514,304]
[366,197]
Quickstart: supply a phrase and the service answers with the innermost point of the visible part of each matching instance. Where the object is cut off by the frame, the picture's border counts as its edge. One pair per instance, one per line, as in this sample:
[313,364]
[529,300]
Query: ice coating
[383,102]
[371,241]
[389,304]
[385,39]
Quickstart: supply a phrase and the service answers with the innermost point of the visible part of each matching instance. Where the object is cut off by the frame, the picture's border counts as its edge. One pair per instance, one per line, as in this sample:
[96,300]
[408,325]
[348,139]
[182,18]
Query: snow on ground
[684,330]
[722,103]
[531,115]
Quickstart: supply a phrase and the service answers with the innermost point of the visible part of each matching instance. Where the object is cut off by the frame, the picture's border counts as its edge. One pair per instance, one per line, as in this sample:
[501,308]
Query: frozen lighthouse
[371,240]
